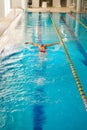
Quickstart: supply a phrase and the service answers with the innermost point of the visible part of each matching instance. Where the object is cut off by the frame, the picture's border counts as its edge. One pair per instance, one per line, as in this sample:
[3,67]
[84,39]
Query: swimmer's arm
[31,43]
[52,44]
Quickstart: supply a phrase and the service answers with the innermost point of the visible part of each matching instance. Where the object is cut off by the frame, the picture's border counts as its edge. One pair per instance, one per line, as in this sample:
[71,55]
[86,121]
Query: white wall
[68,3]
[79,6]
[19,4]
[6,7]
[2,13]
[16,3]
[24,4]
[35,3]
[56,3]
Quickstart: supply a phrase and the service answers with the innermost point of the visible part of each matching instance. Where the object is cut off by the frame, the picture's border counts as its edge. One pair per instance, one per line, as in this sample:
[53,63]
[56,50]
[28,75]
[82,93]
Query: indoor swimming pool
[38,91]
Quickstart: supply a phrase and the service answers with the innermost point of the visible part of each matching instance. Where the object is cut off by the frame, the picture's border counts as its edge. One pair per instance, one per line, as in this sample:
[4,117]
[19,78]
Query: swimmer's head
[42,45]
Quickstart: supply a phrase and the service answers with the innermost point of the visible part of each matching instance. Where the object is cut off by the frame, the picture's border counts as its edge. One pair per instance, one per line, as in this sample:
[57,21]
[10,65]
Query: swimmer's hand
[31,43]
[28,42]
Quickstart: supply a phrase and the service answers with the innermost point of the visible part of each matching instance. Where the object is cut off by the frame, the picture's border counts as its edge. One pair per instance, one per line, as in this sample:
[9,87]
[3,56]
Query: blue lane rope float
[78,20]
[80,89]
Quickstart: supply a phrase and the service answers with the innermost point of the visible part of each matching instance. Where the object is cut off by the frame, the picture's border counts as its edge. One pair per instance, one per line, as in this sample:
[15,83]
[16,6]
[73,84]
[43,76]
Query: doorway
[29,3]
[63,3]
[50,3]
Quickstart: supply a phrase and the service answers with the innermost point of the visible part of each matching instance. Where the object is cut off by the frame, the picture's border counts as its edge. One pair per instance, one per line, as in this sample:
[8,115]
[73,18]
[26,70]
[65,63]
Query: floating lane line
[78,20]
[80,89]
[80,48]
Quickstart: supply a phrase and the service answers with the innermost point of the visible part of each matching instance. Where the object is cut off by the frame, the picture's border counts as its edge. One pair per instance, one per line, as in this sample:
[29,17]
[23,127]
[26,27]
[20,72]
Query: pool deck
[49,9]
[7,25]
[6,21]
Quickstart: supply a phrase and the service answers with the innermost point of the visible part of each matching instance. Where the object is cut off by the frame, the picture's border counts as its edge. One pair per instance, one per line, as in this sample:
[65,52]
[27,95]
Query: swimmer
[42,47]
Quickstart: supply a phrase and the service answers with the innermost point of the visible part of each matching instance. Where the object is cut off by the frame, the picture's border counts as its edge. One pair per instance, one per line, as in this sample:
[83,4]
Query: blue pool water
[38,91]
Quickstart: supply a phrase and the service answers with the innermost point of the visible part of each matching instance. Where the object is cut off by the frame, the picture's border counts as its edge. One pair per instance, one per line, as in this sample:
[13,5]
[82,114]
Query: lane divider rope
[80,48]
[78,20]
[80,89]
